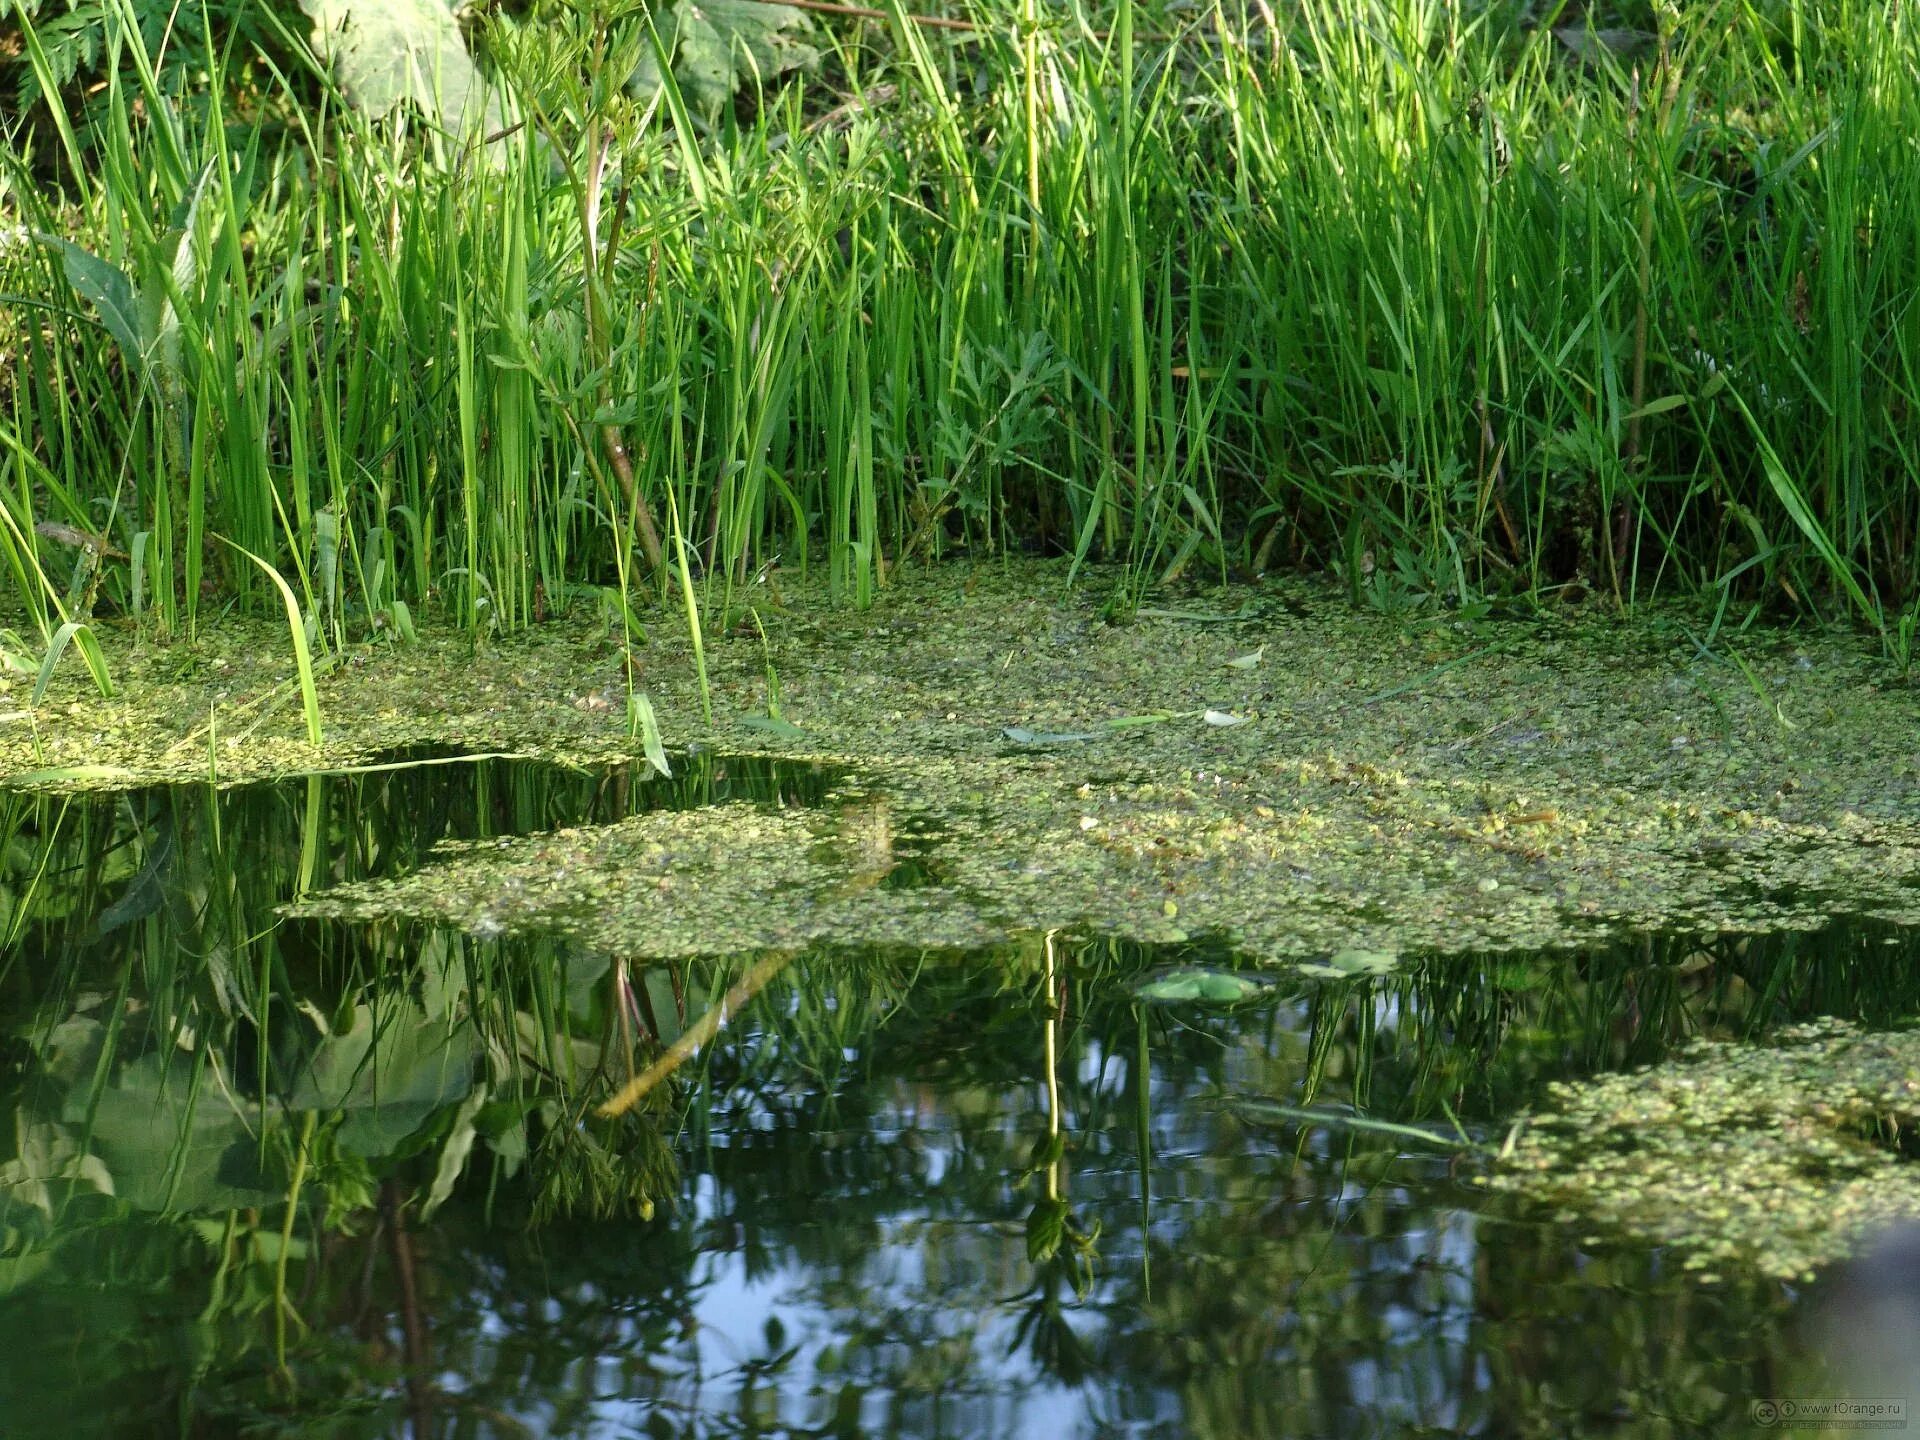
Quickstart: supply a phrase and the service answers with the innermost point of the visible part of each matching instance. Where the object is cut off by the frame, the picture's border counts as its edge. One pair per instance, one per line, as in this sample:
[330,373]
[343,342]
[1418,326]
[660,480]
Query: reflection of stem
[280,1306]
[1143,1124]
[1053,1080]
[698,1034]
[625,1009]
[413,1325]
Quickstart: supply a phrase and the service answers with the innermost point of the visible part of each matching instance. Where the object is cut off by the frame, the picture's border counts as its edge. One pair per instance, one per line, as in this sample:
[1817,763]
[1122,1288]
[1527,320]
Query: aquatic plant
[1778,1157]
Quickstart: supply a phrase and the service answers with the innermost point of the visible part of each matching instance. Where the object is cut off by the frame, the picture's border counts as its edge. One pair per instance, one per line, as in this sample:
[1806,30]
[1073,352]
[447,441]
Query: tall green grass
[1458,307]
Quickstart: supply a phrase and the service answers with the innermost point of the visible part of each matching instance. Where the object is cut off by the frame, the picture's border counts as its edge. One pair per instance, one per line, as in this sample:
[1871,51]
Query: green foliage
[719,47]
[395,51]
[1457,306]
[76,37]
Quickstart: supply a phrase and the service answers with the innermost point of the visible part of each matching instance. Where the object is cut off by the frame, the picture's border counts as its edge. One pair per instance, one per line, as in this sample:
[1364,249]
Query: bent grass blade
[302,655]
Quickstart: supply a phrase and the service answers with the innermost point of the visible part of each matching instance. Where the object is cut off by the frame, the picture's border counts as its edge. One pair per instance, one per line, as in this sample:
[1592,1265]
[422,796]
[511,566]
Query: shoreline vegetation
[1468,306]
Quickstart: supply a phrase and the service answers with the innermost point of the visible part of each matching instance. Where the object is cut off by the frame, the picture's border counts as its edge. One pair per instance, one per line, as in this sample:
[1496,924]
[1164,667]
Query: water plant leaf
[1339,1120]
[641,717]
[1345,964]
[302,656]
[1198,986]
[1249,661]
[1021,735]
[174,1140]
[159,311]
[1196,617]
[1795,503]
[774,725]
[1046,1229]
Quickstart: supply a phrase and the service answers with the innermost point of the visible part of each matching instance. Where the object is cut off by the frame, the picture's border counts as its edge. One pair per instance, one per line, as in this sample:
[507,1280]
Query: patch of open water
[305,1177]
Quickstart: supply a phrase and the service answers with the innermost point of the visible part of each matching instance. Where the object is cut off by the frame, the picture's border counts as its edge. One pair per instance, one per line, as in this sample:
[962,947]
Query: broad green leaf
[388,1074]
[1248,661]
[175,1136]
[387,52]
[720,46]
[47,1162]
[112,292]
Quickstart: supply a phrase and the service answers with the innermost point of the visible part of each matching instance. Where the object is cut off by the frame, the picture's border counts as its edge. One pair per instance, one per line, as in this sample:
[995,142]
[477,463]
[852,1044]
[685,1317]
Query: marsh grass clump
[1452,303]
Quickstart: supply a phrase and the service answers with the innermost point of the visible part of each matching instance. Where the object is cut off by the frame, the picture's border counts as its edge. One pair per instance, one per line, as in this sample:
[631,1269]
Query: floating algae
[1394,788]
[1774,1158]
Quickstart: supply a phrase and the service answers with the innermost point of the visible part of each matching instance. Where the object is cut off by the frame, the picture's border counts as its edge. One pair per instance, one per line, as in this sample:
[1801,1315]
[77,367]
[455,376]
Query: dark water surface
[265,1177]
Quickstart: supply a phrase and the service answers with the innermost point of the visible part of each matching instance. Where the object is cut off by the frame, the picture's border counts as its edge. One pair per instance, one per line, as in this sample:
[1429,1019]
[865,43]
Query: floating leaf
[1248,661]
[1020,735]
[1345,964]
[1197,986]
[1196,617]
[774,725]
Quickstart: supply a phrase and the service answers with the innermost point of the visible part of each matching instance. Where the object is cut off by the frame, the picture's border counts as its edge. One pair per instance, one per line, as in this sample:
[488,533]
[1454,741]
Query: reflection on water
[296,1178]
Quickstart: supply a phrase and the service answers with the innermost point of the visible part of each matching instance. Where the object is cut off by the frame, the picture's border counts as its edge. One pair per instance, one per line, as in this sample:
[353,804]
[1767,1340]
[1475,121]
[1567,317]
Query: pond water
[274,1175]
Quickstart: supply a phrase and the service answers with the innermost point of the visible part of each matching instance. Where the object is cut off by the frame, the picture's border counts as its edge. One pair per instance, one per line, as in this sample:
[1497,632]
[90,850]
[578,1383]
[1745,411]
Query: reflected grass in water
[842,1187]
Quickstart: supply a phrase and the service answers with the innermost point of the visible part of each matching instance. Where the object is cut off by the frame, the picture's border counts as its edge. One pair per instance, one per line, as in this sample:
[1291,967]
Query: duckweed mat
[1259,763]
[1772,1158]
